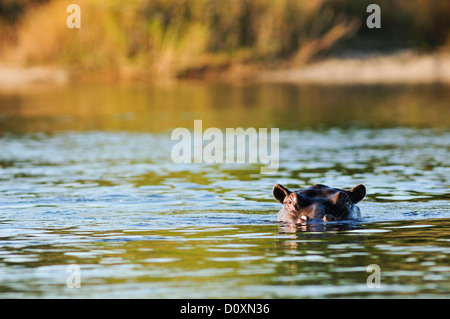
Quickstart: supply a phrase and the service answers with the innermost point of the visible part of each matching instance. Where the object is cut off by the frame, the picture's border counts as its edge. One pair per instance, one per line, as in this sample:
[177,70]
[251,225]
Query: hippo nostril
[302,220]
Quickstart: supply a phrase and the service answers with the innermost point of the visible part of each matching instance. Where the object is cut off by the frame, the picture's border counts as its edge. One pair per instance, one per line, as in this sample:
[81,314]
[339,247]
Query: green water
[87,179]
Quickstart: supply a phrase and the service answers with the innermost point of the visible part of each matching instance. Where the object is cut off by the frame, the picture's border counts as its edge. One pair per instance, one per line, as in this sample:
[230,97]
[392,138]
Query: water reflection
[259,261]
[320,227]
[156,109]
[86,178]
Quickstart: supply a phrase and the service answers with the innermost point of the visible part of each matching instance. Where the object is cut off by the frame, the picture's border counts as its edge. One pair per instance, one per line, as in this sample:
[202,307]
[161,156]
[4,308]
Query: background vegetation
[182,37]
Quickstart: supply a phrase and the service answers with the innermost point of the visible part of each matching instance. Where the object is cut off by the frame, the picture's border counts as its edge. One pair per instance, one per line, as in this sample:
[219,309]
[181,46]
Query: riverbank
[403,67]
[13,77]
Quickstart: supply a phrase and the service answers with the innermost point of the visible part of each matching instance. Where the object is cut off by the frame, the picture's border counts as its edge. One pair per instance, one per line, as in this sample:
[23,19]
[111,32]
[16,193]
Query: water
[86,178]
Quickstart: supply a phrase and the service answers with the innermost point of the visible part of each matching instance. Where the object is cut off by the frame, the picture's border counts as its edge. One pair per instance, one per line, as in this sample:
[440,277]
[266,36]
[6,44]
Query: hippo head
[318,202]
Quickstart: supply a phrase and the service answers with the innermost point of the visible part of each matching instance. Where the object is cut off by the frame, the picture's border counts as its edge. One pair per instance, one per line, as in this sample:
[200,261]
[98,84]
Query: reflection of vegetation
[173,37]
[236,261]
[160,109]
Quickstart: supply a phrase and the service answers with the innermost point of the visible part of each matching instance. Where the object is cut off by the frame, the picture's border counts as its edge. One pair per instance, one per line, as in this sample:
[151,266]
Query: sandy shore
[19,77]
[405,67]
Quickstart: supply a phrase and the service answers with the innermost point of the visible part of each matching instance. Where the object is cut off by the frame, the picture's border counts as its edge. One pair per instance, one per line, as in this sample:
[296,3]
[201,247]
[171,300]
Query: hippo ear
[280,192]
[357,193]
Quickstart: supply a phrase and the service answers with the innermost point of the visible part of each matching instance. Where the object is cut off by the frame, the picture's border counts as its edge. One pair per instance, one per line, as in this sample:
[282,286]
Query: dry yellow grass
[166,38]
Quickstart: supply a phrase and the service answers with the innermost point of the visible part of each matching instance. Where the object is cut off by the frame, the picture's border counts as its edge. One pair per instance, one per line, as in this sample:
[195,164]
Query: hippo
[318,202]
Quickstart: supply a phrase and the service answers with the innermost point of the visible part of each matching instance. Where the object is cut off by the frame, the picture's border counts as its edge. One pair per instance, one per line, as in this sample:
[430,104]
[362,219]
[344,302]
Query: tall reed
[169,37]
